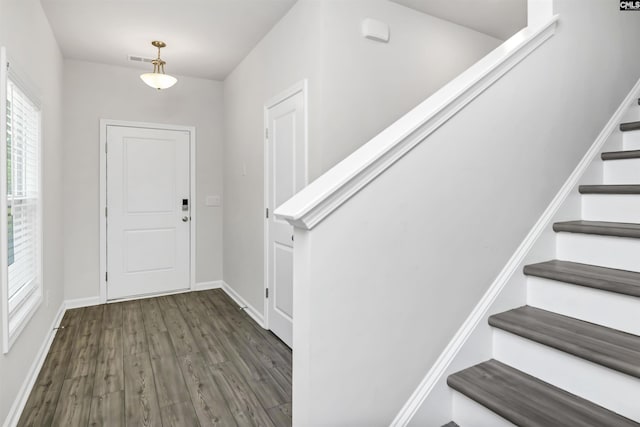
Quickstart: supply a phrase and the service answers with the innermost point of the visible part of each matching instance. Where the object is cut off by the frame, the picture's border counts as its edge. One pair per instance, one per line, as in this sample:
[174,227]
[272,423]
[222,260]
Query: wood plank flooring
[191,359]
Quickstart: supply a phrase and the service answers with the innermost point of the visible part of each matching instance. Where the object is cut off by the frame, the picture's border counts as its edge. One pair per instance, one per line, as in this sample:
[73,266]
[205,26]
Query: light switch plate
[212,201]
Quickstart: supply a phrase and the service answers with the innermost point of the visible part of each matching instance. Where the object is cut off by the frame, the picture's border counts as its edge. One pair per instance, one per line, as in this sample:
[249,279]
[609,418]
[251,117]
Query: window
[21,200]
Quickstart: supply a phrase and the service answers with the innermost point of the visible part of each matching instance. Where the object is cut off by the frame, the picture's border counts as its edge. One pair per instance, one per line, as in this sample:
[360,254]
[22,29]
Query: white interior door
[287,174]
[148,211]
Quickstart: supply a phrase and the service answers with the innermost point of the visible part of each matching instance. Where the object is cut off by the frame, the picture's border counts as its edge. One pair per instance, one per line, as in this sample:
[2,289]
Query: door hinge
[106,276]
[105,211]
[267,213]
[266,133]
[266,293]
[105,148]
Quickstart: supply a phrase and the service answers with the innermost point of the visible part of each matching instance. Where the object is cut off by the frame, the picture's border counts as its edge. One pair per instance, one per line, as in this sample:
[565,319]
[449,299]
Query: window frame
[15,318]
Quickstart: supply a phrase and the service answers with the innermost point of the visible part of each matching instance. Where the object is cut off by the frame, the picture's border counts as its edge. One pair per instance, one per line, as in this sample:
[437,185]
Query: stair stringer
[432,401]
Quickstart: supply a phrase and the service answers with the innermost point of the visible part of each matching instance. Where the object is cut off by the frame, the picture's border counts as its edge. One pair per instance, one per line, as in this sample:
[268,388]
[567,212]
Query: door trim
[300,87]
[104,123]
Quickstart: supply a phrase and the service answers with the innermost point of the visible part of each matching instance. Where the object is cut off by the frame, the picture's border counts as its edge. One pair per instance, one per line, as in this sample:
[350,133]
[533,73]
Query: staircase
[571,357]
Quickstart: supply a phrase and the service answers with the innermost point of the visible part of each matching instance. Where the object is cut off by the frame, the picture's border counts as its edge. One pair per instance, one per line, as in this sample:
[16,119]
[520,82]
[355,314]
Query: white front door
[148,211]
[286,175]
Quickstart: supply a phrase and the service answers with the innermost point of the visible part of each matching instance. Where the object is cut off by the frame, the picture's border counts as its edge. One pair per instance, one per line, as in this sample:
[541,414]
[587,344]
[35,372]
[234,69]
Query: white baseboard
[21,398]
[203,286]
[82,302]
[87,302]
[481,310]
[251,310]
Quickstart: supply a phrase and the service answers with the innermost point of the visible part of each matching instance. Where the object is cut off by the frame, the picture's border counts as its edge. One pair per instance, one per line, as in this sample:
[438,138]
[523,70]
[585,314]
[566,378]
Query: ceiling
[498,18]
[205,38]
[208,38]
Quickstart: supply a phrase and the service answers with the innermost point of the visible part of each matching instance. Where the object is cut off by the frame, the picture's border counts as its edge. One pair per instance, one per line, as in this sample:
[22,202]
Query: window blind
[23,199]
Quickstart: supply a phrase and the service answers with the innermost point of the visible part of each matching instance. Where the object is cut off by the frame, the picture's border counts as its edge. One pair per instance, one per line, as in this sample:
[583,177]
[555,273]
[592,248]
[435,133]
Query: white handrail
[320,198]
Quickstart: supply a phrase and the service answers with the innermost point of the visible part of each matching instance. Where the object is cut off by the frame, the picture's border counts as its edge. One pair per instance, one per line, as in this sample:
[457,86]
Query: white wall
[96,91]
[357,87]
[368,85]
[388,278]
[287,55]
[25,32]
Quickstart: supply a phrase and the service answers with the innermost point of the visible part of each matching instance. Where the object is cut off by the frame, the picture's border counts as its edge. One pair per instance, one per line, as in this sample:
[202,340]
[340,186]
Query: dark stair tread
[610,189]
[598,344]
[527,401]
[602,228]
[591,276]
[451,424]
[625,127]
[621,155]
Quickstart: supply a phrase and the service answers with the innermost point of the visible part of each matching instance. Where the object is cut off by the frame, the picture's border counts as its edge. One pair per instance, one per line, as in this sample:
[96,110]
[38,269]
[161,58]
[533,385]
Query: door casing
[300,87]
[104,123]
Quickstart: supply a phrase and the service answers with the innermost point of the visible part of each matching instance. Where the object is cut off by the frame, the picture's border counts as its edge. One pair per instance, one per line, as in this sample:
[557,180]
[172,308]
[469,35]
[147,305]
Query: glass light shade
[158,80]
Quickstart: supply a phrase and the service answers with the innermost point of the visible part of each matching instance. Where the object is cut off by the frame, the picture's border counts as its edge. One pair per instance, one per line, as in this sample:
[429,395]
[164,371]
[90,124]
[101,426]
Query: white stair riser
[632,114]
[631,140]
[622,171]
[606,251]
[591,305]
[603,386]
[470,413]
[611,207]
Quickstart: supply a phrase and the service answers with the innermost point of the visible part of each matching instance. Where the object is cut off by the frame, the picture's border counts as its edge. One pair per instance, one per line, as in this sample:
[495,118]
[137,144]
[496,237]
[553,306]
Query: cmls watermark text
[629,5]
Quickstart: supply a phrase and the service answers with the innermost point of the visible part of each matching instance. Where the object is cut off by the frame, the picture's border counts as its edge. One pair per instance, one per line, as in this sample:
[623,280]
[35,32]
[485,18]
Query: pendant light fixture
[158,79]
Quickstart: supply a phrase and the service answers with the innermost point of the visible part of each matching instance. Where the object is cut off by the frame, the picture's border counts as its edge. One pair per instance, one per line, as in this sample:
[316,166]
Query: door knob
[185,218]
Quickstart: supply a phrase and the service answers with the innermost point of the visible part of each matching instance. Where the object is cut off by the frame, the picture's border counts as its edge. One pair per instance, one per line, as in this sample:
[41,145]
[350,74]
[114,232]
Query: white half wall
[385,281]
[25,32]
[357,87]
[97,91]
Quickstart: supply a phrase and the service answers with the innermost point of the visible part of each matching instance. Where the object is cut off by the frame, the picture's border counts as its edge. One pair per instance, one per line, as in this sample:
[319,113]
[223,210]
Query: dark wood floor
[182,360]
